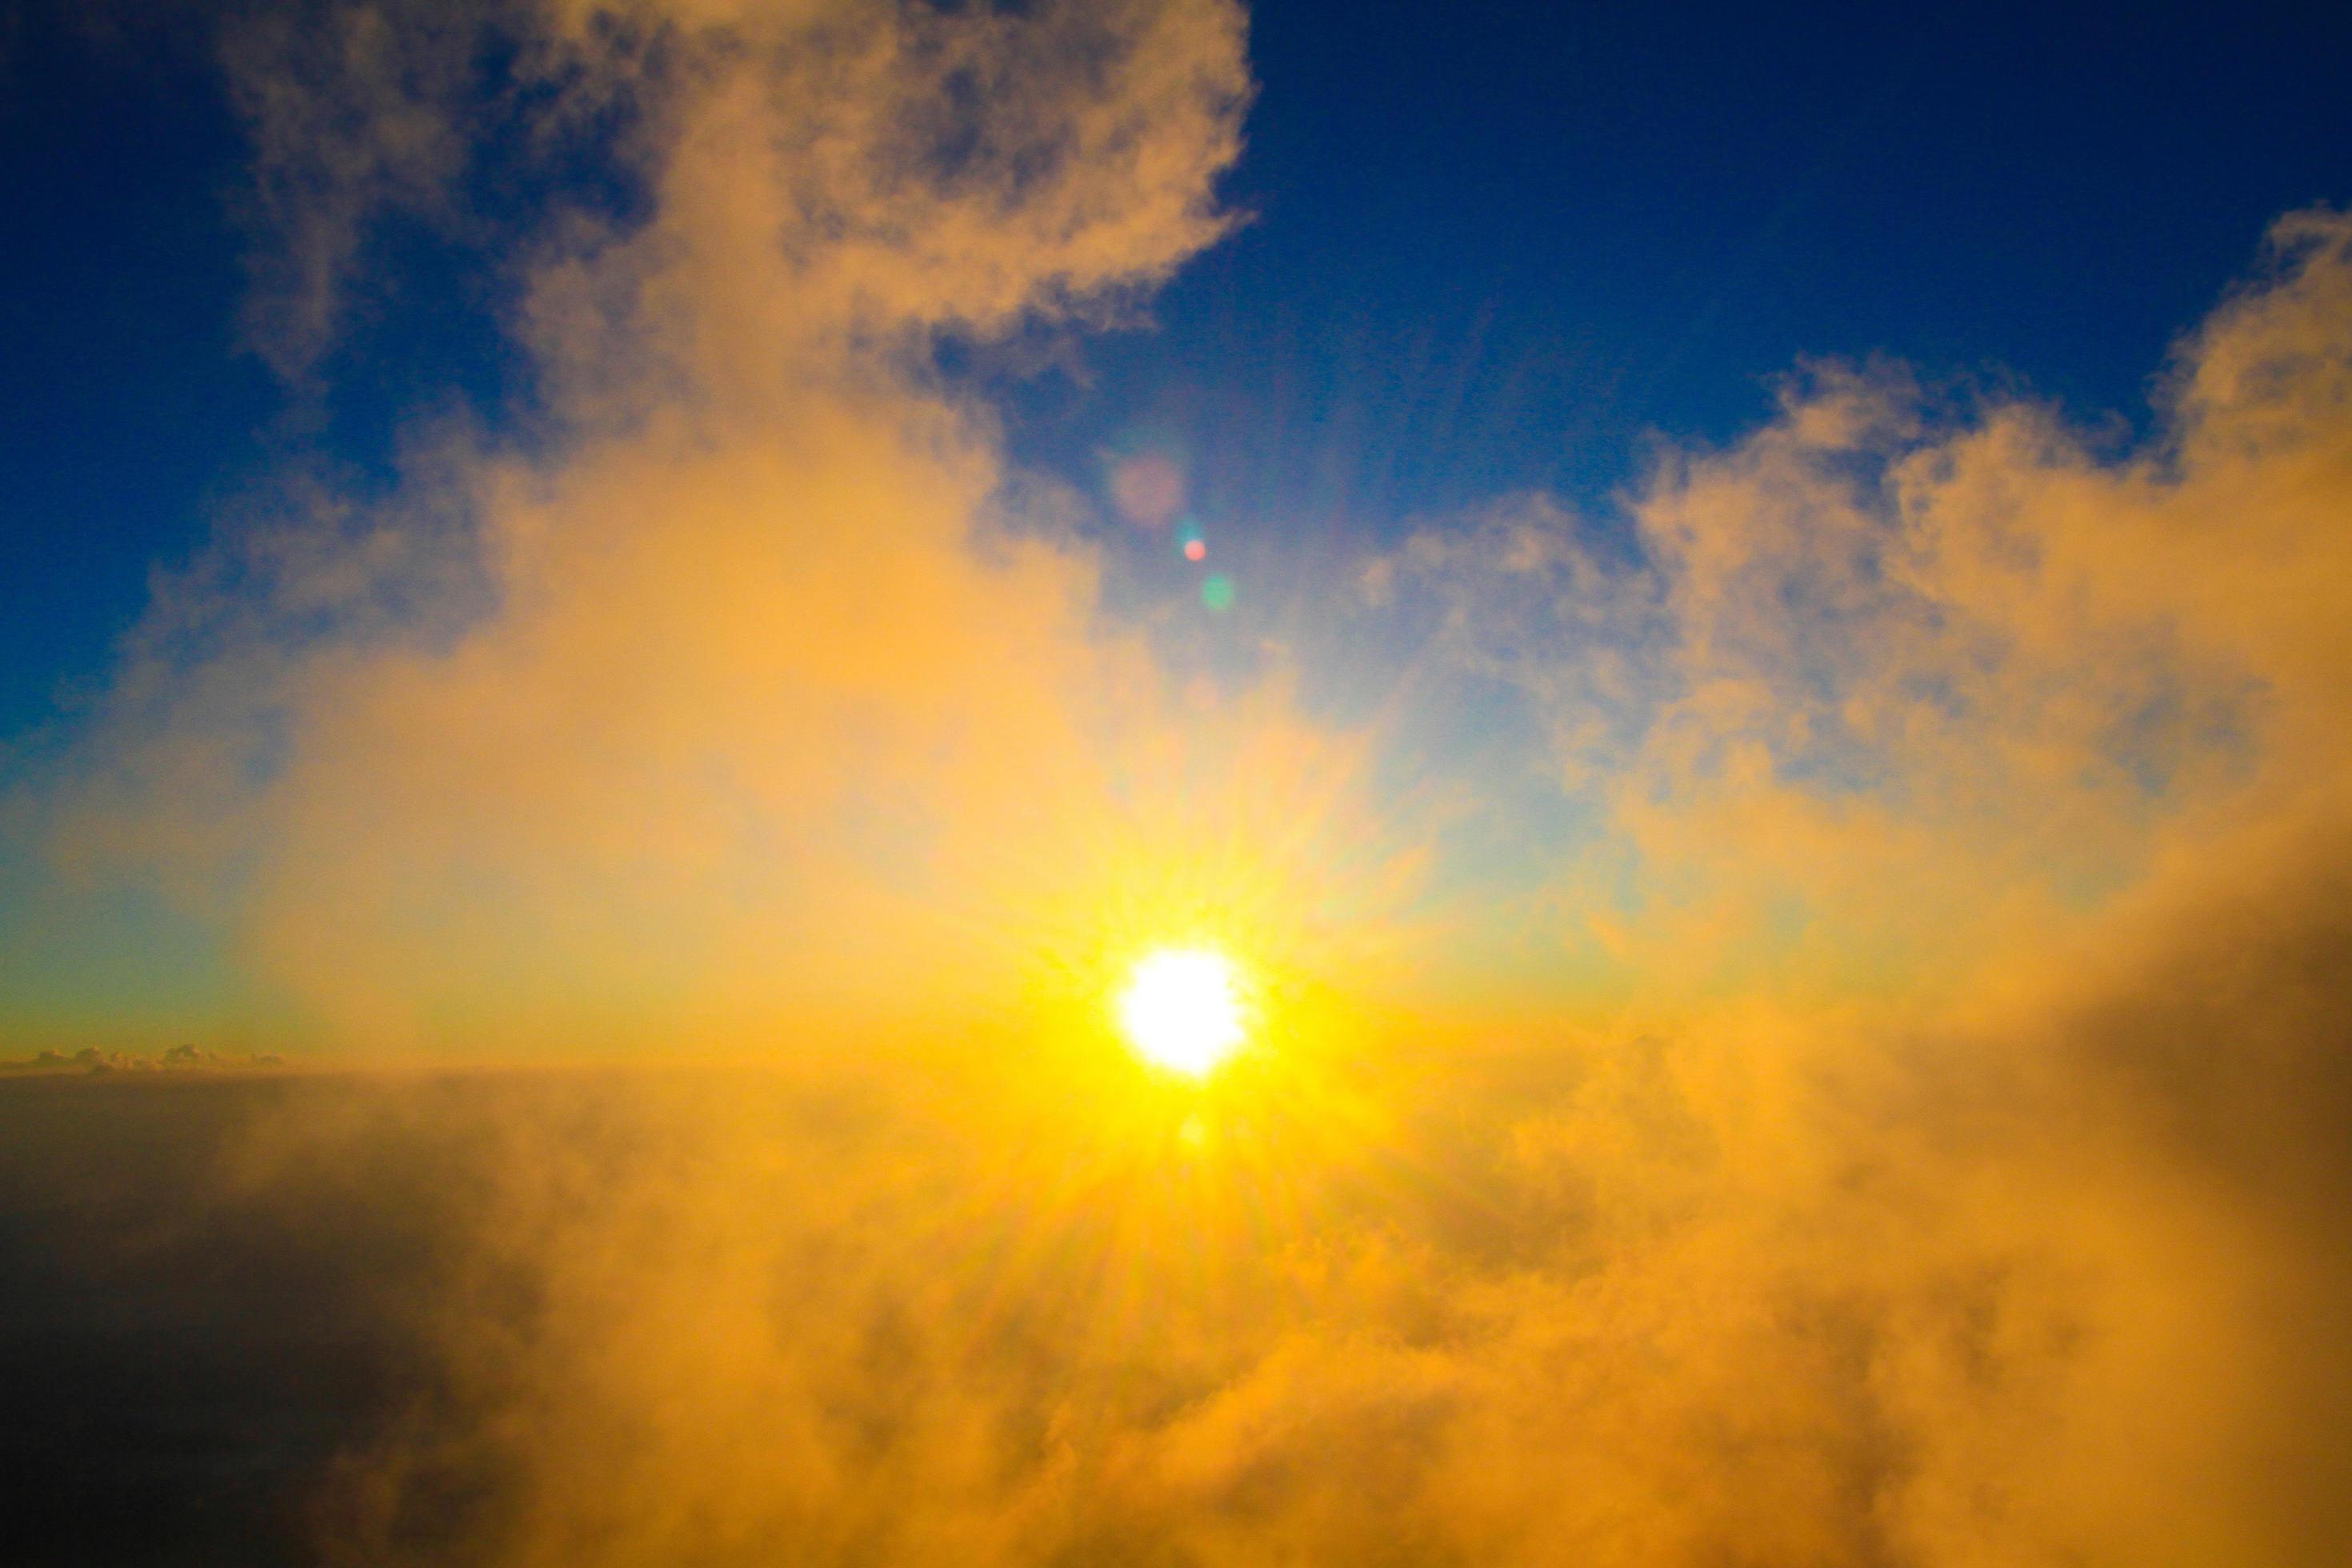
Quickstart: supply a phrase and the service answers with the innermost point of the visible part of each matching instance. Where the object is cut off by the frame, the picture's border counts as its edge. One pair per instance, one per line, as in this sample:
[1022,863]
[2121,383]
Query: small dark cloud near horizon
[93,1060]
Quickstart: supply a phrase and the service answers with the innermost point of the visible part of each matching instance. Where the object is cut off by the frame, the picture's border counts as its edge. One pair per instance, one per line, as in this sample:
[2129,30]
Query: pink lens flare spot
[1195,549]
[1148,489]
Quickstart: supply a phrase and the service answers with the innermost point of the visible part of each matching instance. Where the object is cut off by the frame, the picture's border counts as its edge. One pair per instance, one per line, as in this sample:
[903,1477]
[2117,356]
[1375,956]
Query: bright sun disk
[1182,1009]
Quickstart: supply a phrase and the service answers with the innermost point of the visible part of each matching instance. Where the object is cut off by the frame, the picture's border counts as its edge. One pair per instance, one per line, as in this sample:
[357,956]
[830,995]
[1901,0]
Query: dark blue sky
[1495,247]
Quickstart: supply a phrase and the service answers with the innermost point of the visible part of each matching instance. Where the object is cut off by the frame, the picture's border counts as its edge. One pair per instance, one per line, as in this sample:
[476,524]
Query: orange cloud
[1962,824]
[1889,690]
[732,692]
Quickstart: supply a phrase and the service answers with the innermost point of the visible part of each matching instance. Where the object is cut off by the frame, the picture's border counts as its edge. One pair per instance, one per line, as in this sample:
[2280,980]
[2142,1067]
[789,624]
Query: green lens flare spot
[1217,592]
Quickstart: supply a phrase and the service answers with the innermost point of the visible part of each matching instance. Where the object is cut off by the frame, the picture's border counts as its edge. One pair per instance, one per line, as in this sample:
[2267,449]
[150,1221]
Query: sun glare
[1182,1009]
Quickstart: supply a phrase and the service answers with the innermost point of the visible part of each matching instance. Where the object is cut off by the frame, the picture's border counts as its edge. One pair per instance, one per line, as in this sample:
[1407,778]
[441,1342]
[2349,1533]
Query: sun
[1182,1009]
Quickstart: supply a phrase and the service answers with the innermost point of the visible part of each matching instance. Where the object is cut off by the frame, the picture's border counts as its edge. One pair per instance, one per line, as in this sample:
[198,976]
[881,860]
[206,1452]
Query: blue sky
[1494,246]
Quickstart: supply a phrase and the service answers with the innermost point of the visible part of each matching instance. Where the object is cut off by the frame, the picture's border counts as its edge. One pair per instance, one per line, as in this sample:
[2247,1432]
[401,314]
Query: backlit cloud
[1911,1130]
[731,688]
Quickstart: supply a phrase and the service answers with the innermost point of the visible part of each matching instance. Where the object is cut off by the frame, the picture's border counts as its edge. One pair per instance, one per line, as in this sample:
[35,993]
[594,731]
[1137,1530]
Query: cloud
[356,112]
[1925,1149]
[2045,1288]
[729,680]
[1911,680]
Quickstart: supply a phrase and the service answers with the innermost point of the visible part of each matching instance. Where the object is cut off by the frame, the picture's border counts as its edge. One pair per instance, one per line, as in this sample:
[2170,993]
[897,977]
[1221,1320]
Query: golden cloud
[1966,823]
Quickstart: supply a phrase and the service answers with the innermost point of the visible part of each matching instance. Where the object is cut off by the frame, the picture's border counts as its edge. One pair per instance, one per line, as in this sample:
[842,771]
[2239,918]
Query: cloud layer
[1916,1139]
[1958,1182]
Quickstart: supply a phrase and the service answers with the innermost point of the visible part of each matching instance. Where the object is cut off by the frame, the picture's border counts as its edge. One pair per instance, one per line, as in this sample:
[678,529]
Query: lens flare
[1182,1009]
[1148,489]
